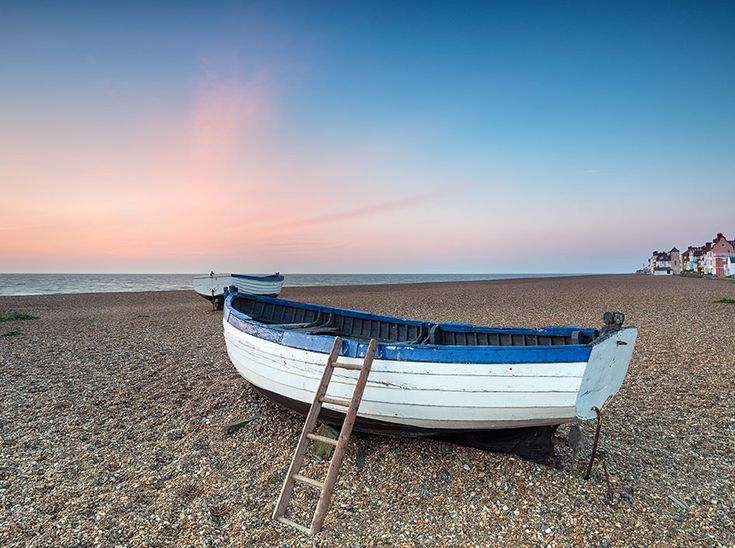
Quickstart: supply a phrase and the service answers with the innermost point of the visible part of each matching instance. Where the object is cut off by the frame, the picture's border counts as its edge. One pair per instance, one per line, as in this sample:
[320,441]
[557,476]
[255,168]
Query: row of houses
[715,258]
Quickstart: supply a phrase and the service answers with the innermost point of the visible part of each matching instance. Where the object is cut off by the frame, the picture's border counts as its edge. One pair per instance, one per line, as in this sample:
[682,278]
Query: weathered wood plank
[300,452]
[323,439]
[325,498]
[293,524]
[309,481]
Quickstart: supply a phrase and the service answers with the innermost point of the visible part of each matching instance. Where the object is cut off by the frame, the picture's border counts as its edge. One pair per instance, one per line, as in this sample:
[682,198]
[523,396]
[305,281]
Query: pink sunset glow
[267,156]
[204,186]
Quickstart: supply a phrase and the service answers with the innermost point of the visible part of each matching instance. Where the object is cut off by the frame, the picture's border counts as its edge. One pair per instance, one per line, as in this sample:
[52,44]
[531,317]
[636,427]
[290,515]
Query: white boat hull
[442,397]
[257,287]
[211,287]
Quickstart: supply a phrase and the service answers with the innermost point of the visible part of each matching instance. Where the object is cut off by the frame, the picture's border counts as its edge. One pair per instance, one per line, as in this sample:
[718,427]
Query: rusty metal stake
[214,301]
[599,454]
[594,445]
[607,477]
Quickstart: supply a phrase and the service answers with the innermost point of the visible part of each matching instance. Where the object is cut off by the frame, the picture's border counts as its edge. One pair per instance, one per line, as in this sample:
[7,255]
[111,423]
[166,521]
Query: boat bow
[607,365]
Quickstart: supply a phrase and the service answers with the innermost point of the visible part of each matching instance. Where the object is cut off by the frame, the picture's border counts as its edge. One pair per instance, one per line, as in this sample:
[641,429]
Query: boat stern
[606,368]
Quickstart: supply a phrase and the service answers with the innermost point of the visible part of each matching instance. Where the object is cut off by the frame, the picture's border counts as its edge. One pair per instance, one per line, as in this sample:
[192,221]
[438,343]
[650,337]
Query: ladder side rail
[325,498]
[300,452]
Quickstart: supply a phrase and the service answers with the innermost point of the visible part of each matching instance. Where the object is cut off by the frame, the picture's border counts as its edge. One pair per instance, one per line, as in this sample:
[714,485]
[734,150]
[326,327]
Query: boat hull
[211,286]
[474,395]
[258,285]
[532,443]
[419,395]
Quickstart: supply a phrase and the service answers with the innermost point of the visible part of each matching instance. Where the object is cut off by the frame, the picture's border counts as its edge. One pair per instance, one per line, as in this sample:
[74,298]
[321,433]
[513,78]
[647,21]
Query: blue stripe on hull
[409,352]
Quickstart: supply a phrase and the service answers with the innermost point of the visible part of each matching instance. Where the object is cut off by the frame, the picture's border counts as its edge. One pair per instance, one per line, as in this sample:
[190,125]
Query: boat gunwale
[405,351]
[265,278]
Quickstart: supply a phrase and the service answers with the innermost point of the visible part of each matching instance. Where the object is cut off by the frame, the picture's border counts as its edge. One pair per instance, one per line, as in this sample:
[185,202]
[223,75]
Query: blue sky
[364,137]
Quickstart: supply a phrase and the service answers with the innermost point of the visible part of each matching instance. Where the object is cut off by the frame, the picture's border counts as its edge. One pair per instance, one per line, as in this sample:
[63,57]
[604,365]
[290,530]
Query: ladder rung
[323,439]
[347,366]
[293,524]
[320,397]
[308,481]
[343,403]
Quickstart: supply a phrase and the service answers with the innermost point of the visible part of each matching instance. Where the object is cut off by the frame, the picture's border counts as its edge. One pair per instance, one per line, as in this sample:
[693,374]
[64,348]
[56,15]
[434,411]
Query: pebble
[113,428]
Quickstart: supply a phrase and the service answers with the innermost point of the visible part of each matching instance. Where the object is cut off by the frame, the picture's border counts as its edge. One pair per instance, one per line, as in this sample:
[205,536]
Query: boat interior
[312,319]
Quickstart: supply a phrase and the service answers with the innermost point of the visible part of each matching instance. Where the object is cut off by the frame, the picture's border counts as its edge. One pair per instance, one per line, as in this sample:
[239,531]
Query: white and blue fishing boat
[259,285]
[496,387]
[211,286]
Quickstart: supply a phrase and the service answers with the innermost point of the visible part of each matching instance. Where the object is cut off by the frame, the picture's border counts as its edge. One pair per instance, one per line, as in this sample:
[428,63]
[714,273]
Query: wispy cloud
[366,211]
[218,173]
[225,123]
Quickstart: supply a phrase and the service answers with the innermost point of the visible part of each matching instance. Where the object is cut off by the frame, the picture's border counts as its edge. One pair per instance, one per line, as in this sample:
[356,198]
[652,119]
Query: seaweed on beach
[11,333]
[13,316]
[725,301]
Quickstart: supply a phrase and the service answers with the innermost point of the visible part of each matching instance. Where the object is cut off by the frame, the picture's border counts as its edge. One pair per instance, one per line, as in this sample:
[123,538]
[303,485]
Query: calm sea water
[45,284]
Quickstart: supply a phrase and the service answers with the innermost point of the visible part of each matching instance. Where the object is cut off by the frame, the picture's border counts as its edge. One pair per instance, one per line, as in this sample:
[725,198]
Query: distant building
[719,259]
[701,258]
[685,260]
[675,261]
[691,259]
[660,263]
[715,258]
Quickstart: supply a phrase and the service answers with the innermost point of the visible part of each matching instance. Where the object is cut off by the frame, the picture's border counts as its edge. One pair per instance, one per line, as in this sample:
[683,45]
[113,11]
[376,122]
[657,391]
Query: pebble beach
[113,409]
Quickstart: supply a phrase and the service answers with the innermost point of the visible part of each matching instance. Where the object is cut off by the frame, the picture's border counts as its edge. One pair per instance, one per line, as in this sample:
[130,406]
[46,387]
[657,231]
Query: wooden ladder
[327,488]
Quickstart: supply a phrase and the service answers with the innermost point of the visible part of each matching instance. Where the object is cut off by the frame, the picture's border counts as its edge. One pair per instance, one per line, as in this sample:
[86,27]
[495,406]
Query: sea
[48,284]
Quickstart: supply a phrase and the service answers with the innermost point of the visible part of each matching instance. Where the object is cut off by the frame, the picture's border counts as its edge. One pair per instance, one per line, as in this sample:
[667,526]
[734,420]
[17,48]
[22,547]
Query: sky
[363,137]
